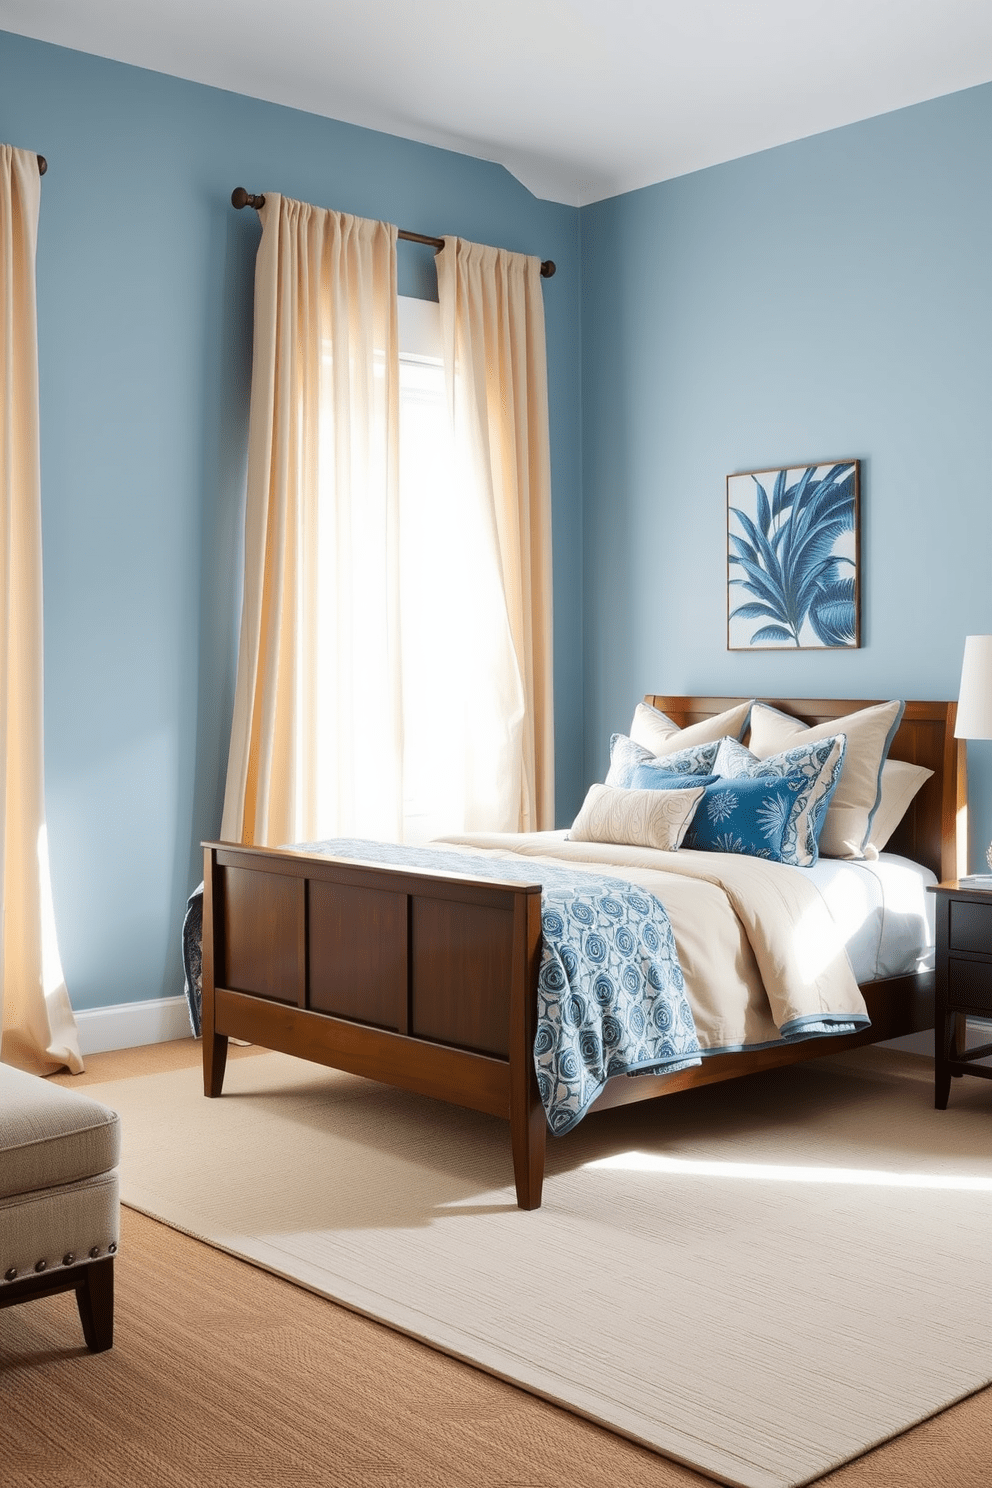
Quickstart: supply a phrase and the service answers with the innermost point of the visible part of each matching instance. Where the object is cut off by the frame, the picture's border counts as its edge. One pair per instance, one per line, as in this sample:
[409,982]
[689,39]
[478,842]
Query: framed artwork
[793,558]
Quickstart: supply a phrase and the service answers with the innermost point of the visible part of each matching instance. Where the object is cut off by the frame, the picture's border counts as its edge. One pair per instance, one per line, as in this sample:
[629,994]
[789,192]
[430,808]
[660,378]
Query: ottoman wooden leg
[95,1300]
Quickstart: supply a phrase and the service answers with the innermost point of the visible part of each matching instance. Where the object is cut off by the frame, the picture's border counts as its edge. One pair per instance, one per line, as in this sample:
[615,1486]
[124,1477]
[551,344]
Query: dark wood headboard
[934,830]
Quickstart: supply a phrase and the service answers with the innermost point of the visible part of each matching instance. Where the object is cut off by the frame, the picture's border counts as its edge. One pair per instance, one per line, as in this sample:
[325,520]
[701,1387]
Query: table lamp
[974,719]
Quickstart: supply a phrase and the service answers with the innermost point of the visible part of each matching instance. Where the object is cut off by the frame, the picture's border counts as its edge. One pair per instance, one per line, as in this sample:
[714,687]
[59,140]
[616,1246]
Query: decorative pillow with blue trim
[819,765]
[751,816]
[869,733]
[625,756]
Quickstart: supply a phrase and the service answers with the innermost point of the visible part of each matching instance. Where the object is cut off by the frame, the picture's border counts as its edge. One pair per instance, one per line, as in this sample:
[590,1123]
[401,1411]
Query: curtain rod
[242,198]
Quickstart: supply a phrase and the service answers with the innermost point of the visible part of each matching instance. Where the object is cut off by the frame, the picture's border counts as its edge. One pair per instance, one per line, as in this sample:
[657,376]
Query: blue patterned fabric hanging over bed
[611,995]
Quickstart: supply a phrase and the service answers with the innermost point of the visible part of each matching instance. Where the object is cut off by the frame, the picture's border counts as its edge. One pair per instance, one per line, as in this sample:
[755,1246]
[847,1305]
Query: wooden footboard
[365,969]
[425,982]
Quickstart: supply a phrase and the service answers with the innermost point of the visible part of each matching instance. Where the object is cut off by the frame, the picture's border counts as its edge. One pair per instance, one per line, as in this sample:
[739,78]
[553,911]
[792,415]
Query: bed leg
[528,1126]
[214,1044]
[528,1135]
[214,1062]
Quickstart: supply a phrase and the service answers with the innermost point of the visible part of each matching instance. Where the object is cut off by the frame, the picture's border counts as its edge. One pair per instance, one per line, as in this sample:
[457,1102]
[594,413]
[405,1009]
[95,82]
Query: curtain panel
[492,318]
[394,671]
[316,746]
[38,1028]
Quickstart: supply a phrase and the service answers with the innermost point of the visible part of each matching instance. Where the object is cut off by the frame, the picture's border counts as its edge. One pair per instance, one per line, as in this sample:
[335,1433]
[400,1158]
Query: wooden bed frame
[364,968]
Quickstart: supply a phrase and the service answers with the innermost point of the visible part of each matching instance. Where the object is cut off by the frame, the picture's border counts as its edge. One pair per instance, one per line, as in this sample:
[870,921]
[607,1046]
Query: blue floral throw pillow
[750,816]
[818,764]
[625,756]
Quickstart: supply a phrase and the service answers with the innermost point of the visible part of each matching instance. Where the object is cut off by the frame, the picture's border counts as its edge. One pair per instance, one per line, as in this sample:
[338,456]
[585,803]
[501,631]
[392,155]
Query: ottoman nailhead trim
[68,1258]
[94,1252]
[10,1275]
[40,1265]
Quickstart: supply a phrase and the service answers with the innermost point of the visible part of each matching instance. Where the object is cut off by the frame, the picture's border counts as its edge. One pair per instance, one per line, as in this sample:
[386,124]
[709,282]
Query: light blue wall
[830,298]
[144,291]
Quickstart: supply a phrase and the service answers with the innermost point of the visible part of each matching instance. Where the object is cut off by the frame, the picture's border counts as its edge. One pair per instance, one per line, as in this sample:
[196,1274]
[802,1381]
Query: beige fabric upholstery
[52,1223]
[50,1136]
[58,1179]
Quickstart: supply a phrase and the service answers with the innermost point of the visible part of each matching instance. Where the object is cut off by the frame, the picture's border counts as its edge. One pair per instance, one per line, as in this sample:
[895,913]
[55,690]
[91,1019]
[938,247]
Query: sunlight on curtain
[394,670]
[38,1028]
[492,316]
[316,746]
[460,731]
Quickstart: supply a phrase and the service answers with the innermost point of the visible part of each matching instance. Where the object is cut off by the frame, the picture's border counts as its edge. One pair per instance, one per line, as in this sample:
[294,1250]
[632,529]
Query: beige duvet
[757,945]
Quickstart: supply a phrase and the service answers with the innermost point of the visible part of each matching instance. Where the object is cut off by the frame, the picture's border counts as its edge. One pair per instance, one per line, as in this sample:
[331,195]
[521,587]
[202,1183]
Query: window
[452,610]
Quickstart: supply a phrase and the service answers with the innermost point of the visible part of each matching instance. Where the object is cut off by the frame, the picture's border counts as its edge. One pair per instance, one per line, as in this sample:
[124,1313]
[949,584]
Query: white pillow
[636,818]
[847,826]
[656,731]
[900,783]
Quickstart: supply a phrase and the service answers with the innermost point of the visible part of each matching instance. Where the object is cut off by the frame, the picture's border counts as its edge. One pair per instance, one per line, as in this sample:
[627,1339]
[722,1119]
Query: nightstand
[963,981]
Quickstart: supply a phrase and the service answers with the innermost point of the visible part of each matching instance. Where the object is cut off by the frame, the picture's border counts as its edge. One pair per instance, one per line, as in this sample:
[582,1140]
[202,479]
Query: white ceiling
[581,99]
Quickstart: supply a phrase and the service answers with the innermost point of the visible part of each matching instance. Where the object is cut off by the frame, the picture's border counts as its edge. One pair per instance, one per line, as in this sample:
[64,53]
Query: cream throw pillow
[656,731]
[635,818]
[900,783]
[847,827]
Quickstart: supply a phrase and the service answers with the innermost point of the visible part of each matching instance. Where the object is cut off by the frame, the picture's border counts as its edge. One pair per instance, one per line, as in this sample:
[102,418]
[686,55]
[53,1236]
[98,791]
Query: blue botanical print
[787,561]
[748,815]
[721,805]
[818,765]
[773,817]
[728,843]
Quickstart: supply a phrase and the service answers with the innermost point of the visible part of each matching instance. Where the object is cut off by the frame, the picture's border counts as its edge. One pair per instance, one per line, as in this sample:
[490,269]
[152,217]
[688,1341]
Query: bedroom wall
[829,298]
[144,291]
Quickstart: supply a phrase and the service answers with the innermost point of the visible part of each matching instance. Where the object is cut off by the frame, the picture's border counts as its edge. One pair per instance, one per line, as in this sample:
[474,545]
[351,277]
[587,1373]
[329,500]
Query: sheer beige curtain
[492,317]
[316,746]
[39,1031]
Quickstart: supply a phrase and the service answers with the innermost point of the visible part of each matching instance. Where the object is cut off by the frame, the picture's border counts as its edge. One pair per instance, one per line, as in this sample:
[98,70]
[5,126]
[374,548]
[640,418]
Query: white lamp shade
[975,695]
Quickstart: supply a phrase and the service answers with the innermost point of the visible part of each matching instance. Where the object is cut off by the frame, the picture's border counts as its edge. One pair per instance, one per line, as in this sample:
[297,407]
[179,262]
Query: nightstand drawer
[971,927]
[970,985]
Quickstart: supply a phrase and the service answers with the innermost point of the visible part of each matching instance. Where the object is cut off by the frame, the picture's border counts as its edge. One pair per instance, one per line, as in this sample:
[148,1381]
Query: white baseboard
[131,1024]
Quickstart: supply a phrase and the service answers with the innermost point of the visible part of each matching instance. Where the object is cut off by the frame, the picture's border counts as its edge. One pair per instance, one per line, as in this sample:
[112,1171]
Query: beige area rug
[761,1279]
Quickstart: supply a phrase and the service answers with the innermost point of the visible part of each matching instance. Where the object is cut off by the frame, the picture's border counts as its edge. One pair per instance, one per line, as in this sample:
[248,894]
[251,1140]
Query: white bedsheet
[883,912]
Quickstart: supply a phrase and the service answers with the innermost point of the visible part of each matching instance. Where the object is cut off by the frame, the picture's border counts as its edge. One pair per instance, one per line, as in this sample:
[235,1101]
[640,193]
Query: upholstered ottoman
[59,1207]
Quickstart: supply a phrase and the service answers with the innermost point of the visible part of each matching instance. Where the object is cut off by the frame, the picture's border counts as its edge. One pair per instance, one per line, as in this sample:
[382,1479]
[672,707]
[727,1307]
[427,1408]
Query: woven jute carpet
[761,1280]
